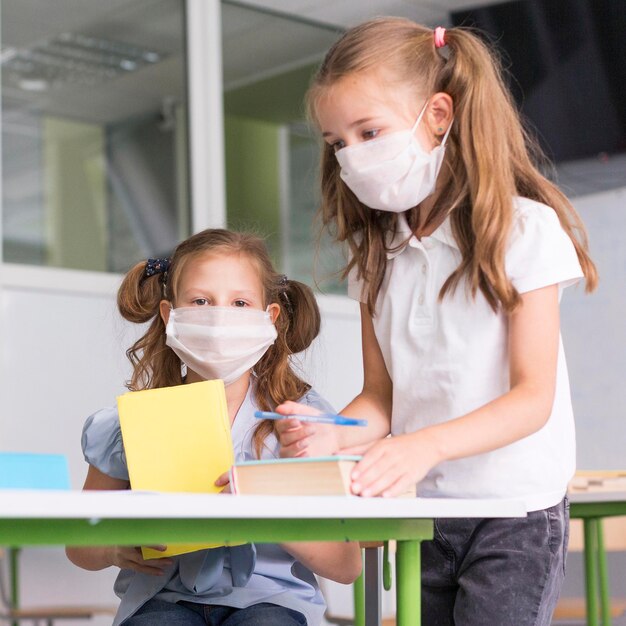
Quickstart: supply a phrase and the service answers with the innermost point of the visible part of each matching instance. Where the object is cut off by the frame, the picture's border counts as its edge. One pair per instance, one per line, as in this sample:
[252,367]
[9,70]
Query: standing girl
[217,284]
[459,251]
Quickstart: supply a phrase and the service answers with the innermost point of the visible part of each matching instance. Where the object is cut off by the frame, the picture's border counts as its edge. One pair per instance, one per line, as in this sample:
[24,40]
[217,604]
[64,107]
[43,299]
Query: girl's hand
[304,438]
[126,557]
[224,479]
[391,466]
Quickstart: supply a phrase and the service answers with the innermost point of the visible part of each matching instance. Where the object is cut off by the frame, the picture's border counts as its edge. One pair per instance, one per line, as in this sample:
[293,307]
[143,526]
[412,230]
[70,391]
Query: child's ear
[440,113]
[165,306]
[274,311]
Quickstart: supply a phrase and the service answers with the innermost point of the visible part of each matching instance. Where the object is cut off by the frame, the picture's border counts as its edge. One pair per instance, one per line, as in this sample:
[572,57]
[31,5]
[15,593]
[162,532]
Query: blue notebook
[25,470]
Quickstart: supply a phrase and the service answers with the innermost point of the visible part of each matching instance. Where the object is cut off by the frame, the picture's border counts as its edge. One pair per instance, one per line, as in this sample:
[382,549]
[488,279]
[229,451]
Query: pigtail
[139,295]
[138,299]
[297,325]
[303,313]
[486,143]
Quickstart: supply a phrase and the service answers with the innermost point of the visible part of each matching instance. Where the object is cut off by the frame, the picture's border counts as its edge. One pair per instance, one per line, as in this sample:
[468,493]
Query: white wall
[62,358]
[594,335]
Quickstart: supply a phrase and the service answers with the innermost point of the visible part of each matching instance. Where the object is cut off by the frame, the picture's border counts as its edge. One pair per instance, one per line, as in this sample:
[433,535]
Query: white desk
[125,518]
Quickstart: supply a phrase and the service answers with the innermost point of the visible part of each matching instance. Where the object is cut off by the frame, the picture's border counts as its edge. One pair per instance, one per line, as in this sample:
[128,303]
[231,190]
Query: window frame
[203,35]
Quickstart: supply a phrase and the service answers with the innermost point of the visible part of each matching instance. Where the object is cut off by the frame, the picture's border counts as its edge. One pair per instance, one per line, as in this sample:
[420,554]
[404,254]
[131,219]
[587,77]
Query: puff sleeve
[540,252]
[102,443]
[312,398]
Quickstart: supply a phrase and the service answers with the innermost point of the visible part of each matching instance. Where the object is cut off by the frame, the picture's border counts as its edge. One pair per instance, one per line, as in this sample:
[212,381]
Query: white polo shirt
[447,358]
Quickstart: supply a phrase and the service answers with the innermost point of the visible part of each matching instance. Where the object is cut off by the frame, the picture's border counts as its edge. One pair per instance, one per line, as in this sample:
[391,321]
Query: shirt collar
[398,240]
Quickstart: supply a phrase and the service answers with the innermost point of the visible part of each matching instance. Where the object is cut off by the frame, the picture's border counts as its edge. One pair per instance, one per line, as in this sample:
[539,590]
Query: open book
[308,476]
[176,439]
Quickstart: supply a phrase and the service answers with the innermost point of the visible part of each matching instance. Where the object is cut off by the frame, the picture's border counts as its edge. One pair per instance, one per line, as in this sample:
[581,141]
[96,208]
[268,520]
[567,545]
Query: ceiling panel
[349,12]
[256,44]
[154,25]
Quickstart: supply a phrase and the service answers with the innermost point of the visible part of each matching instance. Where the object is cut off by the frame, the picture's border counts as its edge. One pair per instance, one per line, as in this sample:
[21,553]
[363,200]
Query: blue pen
[322,418]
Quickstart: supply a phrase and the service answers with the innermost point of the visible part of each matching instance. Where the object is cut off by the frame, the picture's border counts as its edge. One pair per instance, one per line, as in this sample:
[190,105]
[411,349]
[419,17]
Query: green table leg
[358,588]
[408,582]
[591,569]
[605,595]
[14,577]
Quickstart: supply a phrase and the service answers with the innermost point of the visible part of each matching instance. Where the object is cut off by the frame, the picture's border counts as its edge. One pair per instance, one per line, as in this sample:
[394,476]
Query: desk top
[602,486]
[96,505]
[583,497]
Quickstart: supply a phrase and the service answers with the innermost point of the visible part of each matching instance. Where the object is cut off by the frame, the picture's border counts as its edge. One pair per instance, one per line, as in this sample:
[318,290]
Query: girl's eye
[200,301]
[370,134]
[240,303]
[337,145]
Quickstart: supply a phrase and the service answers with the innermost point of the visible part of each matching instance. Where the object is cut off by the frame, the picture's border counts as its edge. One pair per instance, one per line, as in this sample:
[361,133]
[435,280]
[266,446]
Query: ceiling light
[74,58]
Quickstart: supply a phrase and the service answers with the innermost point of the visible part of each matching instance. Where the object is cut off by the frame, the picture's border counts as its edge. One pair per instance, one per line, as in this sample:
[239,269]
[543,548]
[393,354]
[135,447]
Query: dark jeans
[495,572]
[160,613]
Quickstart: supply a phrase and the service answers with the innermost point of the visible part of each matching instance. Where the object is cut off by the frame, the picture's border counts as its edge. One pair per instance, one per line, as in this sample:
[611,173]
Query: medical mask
[220,342]
[392,172]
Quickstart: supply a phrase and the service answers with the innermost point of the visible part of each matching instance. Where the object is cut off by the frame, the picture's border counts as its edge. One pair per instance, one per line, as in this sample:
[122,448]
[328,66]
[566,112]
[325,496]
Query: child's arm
[373,404]
[336,561]
[392,465]
[125,557]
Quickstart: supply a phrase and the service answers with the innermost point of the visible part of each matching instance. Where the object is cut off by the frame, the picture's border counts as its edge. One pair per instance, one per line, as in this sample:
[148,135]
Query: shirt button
[420,300]
[424,268]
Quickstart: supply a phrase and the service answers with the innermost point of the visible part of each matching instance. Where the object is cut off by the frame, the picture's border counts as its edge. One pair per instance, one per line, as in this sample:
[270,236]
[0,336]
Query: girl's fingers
[293,408]
[290,437]
[154,567]
[289,452]
[126,556]
[401,486]
[223,479]
[381,468]
[287,425]
[381,483]
[297,449]
[151,570]
[372,457]
[159,548]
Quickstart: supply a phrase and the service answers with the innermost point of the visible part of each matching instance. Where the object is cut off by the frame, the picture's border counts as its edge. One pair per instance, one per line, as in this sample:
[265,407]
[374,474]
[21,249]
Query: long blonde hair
[156,365]
[489,157]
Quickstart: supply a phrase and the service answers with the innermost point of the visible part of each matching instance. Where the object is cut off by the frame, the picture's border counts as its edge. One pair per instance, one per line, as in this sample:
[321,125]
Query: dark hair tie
[283,280]
[156,266]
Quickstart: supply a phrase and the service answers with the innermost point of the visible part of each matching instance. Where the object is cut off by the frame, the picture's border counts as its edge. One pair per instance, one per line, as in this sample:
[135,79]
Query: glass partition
[94,132]
[271,153]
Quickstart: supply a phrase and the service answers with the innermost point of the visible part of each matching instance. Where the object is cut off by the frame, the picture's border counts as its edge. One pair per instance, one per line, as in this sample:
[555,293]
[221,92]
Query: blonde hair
[488,160]
[156,365]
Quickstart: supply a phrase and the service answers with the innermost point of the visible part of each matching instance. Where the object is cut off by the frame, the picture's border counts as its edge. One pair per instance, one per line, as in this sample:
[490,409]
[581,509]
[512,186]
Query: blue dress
[236,576]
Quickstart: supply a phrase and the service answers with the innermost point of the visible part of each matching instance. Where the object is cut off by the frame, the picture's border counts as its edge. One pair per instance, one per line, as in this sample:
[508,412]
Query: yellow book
[176,439]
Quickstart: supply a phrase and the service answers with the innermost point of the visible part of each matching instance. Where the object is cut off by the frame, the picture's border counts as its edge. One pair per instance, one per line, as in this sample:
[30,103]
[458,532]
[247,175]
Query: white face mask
[393,172]
[220,342]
